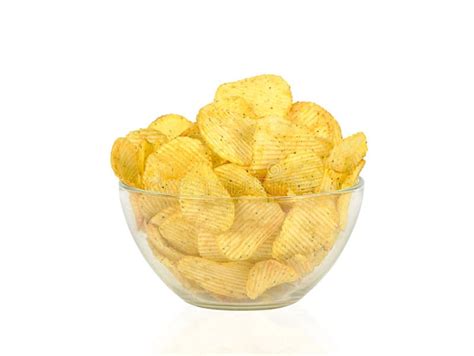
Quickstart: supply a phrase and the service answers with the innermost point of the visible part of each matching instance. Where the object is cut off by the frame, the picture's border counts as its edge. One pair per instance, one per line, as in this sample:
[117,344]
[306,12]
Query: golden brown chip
[180,234]
[161,247]
[128,160]
[348,153]
[275,138]
[223,278]
[208,248]
[172,161]
[300,172]
[255,221]
[238,181]
[267,94]
[204,200]
[353,177]
[264,251]
[305,264]
[155,138]
[332,180]
[311,225]
[228,133]
[317,119]
[267,274]
[171,125]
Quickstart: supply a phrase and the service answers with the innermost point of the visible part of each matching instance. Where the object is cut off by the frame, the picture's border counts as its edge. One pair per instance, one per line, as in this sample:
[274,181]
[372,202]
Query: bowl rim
[355,188]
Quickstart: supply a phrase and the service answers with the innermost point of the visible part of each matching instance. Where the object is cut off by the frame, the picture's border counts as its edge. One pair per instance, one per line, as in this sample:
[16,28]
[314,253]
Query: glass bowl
[274,252]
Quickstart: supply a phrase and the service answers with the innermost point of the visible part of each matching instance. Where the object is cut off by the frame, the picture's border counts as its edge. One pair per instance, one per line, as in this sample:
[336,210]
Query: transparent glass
[303,218]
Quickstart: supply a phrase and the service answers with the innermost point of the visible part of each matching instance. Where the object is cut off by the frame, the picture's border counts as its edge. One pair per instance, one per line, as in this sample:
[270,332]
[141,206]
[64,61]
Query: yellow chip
[311,225]
[317,119]
[264,251]
[223,278]
[160,246]
[343,206]
[209,206]
[237,104]
[267,94]
[172,161]
[171,125]
[139,218]
[238,181]
[164,214]
[267,274]
[155,138]
[305,264]
[128,160]
[332,180]
[208,248]
[228,133]
[255,222]
[275,138]
[150,205]
[353,177]
[180,234]
[300,173]
[193,132]
[348,153]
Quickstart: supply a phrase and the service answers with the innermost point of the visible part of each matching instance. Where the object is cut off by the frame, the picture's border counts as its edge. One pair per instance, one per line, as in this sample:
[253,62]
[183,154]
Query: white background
[73,77]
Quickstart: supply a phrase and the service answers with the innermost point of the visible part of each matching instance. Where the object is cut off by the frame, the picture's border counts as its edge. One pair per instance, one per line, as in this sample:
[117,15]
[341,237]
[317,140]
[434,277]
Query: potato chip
[236,104]
[267,94]
[267,274]
[343,206]
[228,133]
[353,177]
[300,172]
[172,161]
[332,180]
[264,251]
[275,138]
[238,181]
[160,246]
[208,248]
[164,214]
[139,218]
[222,278]
[311,225]
[180,234]
[155,138]
[305,264]
[255,221]
[128,160]
[171,125]
[209,206]
[317,119]
[150,205]
[348,153]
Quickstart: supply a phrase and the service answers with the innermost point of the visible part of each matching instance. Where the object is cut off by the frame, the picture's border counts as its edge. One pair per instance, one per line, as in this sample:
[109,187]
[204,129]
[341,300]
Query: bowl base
[241,307]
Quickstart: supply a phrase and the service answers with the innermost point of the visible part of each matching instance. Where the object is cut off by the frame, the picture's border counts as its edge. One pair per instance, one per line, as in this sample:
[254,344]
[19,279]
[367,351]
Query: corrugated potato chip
[332,180]
[353,177]
[149,205]
[264,251]
[222,278]
[128,160]
[305,264]
[300,172]
[267,94]
[275,138]
[161,247]
[238,181]
[348,153]
[211,214]
[267,274]
[311,225]
[237,104]
[155,138]
[180,234]
[173,160]
[228,133]
[134,202]
[255,221]
[208,248]
[171,125]
[317,119]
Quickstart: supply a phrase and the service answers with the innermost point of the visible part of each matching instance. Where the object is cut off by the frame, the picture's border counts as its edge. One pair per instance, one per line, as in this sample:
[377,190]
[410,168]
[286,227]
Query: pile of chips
[216,218]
